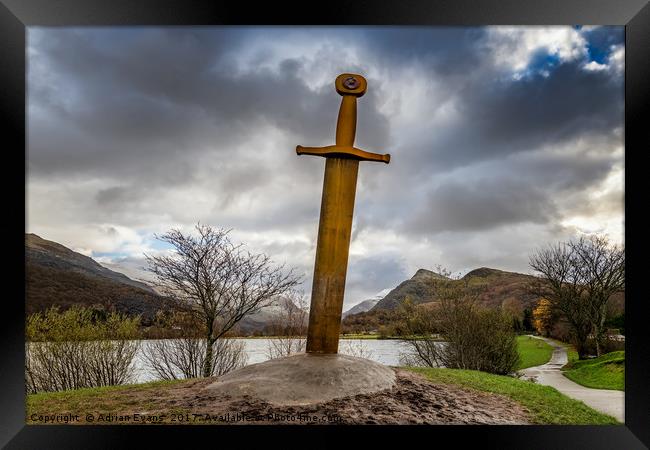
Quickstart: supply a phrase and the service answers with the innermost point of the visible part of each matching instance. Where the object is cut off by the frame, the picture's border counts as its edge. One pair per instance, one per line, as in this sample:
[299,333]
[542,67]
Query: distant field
[359,336]
[342,336]
[532,352]
[605,372]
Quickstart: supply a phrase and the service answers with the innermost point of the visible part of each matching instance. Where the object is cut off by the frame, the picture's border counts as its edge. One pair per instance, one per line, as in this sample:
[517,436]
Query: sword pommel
[351,84]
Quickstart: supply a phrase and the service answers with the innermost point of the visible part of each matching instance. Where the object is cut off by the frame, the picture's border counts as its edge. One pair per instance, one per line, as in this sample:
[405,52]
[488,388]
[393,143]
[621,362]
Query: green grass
[545,404]
[604,372]
[359,336]
[86,393]
[532,352]
[572,354]
[342,336]
[106,398]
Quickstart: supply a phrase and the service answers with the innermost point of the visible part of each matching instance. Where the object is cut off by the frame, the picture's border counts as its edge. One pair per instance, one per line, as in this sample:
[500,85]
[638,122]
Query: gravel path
[607,401]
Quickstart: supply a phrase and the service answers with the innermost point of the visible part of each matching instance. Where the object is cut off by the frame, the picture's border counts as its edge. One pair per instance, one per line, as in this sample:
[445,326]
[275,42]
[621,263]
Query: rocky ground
[413,400]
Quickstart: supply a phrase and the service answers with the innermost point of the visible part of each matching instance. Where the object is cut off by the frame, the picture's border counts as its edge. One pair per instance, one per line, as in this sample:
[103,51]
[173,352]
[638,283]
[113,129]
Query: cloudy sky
[502,139]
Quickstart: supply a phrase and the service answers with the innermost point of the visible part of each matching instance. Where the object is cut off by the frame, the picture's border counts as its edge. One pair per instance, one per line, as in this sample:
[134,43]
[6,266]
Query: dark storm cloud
[522,115]
[457,206]
[518,190]
[444,51]
[374,273]
[108,196]
[165,94]
[501,118]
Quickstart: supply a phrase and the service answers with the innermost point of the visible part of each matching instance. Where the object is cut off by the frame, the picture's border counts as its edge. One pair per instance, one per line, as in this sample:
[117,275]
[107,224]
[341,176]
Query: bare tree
[420,324]
[221,281]
[172,359]
[579,277]
[355,347]
[289,326]
[420,335]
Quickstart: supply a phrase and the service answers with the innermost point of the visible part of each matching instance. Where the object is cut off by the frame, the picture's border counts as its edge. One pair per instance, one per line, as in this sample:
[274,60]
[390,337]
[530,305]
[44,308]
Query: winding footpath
[607,401]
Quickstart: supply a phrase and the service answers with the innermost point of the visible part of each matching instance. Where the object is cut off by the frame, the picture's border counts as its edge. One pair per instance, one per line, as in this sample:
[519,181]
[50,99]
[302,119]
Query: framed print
[385,219]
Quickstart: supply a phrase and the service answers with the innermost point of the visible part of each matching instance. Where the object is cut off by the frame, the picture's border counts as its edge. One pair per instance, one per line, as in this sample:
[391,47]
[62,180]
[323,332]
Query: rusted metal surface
[343,152]
[337,208]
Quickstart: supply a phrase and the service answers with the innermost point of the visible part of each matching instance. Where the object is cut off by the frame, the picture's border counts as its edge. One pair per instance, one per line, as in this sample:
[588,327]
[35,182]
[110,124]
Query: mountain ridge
[419,286]
[500,286]
[58,276]
[53,254]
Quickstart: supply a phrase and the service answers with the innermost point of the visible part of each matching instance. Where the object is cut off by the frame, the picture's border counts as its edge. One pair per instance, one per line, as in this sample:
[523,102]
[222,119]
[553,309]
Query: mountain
[58,276]
[420,288]
[498,286]
[134,268]
[262,320]
[52,254]
[365,305]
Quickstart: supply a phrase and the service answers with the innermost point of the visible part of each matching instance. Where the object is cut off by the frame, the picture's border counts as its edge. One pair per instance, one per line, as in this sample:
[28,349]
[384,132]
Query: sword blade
[334,229]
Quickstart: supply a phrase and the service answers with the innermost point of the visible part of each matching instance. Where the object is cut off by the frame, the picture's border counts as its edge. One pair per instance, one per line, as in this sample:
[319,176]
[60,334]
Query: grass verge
[107,399]
[545,404]
[604,372]
[359,336]
[532,352]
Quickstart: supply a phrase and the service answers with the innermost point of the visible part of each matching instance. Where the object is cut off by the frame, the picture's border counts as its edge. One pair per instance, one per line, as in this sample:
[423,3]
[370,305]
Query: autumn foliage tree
[578,277]
[544,317]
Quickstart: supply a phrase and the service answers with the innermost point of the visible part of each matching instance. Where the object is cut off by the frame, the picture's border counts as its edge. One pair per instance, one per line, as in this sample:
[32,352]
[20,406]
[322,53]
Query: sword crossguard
[337,151]
[350,86]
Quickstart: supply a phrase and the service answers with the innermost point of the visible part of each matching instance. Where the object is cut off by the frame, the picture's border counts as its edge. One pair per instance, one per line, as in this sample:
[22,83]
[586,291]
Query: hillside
[498,286]
[363,306]
[420,288]
[58,276]
[54,255]
[262,321]
[366,305]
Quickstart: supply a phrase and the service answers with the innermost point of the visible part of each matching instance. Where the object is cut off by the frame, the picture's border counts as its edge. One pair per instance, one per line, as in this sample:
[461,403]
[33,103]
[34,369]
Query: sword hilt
[350,86]
[337,151]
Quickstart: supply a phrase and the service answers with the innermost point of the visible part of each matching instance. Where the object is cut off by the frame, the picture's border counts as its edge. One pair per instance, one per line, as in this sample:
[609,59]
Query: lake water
[385,351]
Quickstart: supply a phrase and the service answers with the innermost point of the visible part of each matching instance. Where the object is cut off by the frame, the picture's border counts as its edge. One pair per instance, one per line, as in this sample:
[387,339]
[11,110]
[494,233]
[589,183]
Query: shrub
[78,348]
[173,359]
[288,326]
[355,347]
[475,338]
[183,356]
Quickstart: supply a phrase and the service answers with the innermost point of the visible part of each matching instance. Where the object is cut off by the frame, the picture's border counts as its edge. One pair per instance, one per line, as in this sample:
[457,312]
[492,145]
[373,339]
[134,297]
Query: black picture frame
[16,15]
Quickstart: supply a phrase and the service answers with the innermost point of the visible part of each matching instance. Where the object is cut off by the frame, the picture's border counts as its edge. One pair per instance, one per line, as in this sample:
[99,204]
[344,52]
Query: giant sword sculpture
[337,207]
